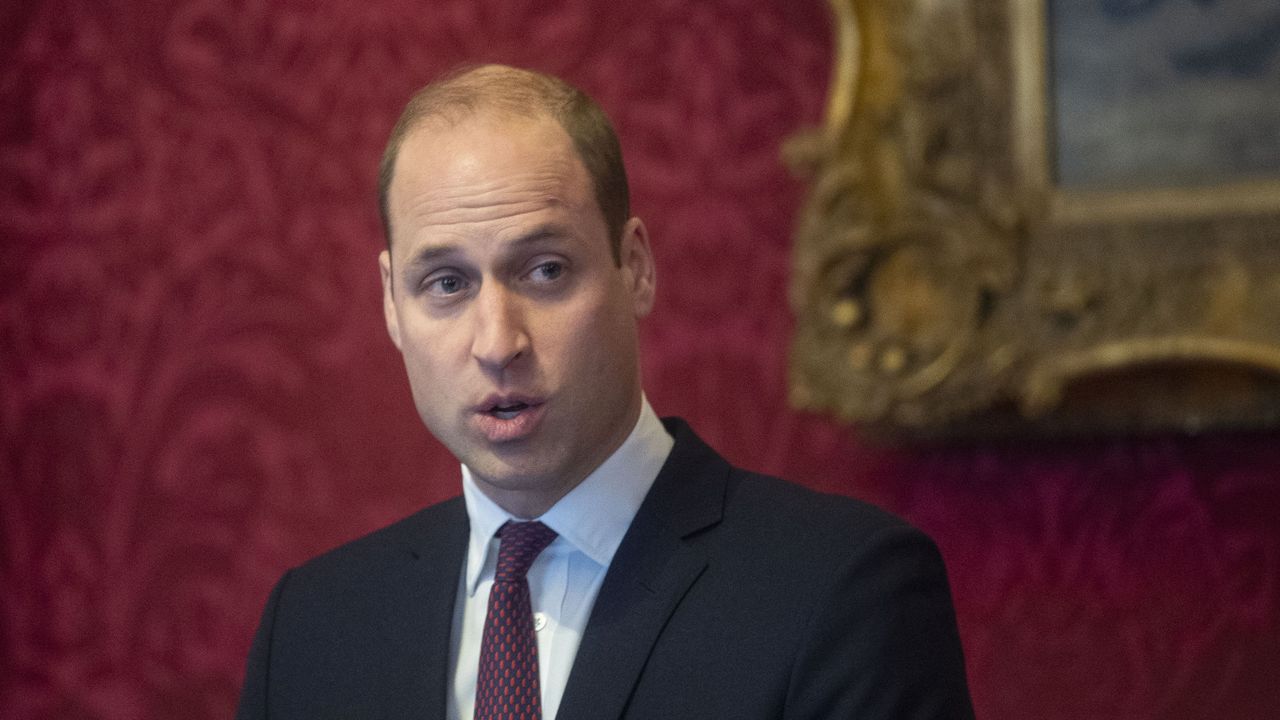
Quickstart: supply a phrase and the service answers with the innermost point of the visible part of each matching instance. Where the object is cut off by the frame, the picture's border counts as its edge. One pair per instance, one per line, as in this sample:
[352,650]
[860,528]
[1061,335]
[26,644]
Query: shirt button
[539,622]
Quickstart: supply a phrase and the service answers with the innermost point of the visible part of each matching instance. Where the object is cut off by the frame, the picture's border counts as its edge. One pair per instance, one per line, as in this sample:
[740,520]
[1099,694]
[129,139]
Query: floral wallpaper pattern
[196,390]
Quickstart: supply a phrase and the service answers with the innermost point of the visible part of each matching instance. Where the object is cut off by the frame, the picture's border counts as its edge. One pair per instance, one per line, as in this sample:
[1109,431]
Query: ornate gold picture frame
[945,282]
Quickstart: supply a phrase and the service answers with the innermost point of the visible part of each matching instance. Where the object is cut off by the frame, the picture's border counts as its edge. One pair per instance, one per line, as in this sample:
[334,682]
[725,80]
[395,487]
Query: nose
[500,335]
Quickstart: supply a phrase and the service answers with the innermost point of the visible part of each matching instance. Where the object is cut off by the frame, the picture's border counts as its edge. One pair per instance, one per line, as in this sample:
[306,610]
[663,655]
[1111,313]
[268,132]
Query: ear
[388,299]
[637,266]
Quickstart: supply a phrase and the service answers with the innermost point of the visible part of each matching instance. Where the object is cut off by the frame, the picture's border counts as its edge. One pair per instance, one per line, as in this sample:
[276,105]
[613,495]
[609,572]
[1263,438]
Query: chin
[513,475]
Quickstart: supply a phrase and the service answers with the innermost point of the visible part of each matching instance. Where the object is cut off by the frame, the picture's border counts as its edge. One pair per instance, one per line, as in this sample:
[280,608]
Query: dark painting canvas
[1164,93]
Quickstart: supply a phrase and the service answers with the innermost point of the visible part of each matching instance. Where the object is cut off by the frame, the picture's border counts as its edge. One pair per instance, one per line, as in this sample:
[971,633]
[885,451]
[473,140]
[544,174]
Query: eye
[445,284]
[547,271]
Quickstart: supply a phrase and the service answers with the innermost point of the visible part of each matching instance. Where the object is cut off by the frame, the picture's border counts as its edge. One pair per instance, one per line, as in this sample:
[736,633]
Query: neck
[529,500]
[524,504]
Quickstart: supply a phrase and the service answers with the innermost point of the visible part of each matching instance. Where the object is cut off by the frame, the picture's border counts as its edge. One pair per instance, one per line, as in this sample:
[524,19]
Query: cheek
[601,343]
[428,357]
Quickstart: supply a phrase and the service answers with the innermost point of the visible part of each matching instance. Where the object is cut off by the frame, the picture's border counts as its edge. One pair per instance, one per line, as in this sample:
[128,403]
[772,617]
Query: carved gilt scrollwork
[934,277]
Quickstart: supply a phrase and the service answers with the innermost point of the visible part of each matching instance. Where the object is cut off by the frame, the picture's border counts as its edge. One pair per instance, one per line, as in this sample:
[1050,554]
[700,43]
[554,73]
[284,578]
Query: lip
[498,429]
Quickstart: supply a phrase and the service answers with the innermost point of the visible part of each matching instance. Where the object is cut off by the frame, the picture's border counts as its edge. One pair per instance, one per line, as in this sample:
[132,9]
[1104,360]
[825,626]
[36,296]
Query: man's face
[517,327]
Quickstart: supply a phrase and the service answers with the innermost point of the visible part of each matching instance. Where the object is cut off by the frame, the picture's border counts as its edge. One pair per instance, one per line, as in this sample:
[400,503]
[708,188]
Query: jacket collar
[652,570]
[434,542]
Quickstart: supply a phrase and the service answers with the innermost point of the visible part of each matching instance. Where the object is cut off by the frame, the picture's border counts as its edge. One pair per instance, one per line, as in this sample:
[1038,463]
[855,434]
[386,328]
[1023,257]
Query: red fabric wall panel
[196,391]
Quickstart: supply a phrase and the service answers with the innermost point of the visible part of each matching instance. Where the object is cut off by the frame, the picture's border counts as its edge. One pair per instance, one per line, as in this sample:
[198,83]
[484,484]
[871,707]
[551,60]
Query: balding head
[504,91]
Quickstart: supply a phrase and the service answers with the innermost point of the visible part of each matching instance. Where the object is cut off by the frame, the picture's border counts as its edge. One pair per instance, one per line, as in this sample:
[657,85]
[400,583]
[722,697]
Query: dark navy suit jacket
[732,596]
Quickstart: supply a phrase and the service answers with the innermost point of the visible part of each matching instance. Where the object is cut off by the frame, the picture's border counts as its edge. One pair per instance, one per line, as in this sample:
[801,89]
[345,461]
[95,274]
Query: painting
[1160,93]
[1043,215]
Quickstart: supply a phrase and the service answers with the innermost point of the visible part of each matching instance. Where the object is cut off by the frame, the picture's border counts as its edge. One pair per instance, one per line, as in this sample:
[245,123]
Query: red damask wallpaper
[196,391]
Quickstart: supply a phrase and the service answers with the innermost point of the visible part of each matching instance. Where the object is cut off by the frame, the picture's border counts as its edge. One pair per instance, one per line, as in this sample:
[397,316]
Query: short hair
[522,93]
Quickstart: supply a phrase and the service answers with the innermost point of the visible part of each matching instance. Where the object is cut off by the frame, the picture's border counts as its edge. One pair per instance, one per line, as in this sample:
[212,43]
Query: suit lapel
[419,611]
[652,570]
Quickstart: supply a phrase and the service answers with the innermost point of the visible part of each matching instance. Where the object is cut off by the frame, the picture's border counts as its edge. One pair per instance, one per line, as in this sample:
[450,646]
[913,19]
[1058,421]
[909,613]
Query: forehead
[449,172]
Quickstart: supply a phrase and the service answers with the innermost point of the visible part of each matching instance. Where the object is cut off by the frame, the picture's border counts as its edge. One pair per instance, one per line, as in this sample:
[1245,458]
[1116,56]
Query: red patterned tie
[507,684]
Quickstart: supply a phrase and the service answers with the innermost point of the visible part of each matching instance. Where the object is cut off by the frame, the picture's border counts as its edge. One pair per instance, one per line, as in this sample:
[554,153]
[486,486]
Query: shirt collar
[594,516]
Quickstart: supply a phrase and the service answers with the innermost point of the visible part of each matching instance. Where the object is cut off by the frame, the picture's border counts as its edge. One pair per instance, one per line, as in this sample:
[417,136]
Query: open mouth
[506,412]
[506,407]
[503,419]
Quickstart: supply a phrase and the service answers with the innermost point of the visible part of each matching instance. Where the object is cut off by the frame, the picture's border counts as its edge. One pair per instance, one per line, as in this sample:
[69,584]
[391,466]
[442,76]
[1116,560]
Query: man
[600,564]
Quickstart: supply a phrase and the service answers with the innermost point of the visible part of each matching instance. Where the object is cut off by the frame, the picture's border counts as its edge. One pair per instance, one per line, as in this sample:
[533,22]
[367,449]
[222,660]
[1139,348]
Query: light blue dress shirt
[565,579]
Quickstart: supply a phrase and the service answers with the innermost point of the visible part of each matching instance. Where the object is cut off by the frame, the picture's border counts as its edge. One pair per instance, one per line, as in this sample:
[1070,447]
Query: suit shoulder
[770,502]
[838,547]
[756,505]
[431,530]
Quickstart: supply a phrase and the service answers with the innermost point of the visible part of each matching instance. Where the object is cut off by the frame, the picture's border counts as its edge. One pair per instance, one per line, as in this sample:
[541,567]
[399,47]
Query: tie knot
[520,544]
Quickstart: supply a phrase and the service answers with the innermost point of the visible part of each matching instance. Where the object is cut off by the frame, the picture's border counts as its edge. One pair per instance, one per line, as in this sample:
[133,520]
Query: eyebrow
[542,233]
[426,255]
